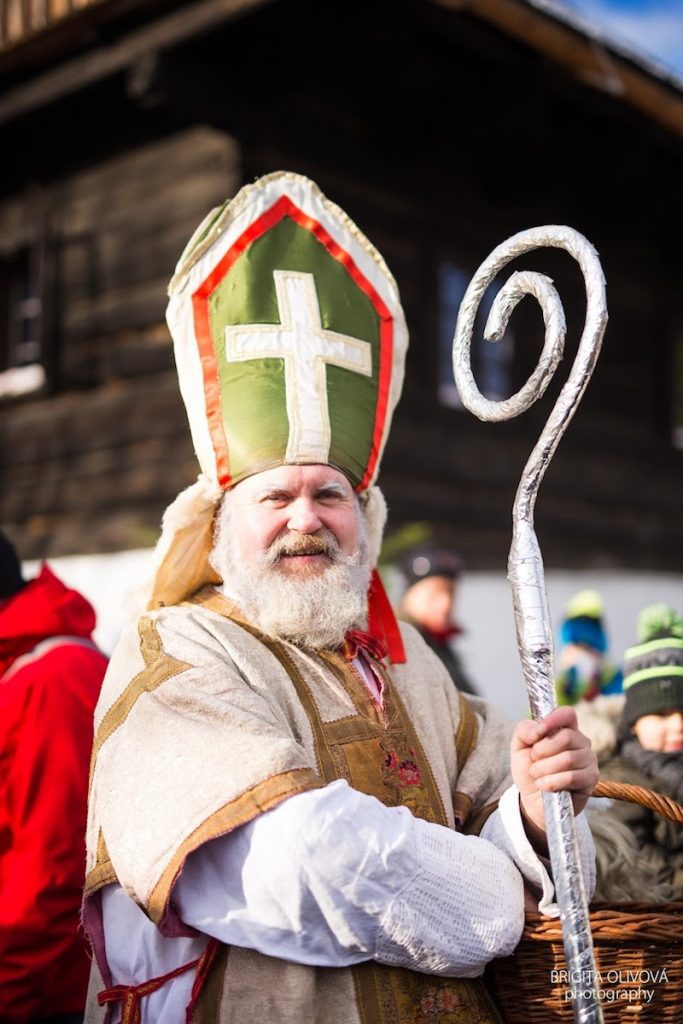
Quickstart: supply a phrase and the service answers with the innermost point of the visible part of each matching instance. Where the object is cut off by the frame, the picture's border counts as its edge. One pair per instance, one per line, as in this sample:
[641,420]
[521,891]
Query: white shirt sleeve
[505,829]
[332,877]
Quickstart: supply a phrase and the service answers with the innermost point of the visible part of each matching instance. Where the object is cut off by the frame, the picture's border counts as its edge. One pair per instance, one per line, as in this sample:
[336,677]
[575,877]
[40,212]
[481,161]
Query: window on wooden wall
[677,391]
[491,362]
[22,358]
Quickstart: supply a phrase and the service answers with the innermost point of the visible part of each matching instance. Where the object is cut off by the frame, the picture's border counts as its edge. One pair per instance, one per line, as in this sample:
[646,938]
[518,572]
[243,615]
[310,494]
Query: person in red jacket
[50,677]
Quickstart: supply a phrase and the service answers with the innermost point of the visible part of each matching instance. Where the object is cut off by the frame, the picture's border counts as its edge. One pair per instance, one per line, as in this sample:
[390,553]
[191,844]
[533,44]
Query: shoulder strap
[45,647]
[465,742]
[466,733]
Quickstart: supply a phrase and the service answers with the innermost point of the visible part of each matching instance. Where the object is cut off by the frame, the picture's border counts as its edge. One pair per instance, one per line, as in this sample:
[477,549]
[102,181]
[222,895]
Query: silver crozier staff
[525,564]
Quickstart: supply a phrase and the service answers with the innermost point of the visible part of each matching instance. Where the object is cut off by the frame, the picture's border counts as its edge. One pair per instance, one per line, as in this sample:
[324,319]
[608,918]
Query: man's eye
[275,500]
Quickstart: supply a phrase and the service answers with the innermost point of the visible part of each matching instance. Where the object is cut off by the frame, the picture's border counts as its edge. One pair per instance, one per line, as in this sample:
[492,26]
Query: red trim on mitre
[281,208]
[382,622]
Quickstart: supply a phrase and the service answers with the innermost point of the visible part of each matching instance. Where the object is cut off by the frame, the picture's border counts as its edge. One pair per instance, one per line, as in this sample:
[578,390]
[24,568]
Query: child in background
[649,750]
[431,575]
[584,672]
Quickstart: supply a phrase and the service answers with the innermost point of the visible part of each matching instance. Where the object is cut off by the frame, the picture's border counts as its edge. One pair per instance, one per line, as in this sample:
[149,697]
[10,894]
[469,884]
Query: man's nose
[303,517]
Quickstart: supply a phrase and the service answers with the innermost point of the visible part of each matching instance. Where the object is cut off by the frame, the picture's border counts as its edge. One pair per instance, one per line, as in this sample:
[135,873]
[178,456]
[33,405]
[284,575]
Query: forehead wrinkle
[272,489]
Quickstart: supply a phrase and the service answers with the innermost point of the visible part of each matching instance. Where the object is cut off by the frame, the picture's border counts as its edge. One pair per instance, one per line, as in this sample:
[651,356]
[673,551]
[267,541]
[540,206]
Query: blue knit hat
[583,622]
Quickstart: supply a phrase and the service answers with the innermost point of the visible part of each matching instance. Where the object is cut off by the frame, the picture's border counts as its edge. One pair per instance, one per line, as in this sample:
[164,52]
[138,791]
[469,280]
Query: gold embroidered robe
[203,724]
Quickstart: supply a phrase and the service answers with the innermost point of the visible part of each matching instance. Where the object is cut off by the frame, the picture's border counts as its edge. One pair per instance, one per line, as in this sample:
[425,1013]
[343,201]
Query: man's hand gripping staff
[547,756]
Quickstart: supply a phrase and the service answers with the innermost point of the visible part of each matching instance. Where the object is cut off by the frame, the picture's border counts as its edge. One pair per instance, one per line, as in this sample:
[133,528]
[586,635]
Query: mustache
[324,543]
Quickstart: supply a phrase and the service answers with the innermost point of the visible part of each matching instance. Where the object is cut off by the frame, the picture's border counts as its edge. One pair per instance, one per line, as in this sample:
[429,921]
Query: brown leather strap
[466,733]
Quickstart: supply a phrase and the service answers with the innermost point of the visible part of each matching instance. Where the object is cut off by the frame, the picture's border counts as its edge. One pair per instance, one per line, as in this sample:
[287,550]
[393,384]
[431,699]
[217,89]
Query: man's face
[291,511]
[291,547]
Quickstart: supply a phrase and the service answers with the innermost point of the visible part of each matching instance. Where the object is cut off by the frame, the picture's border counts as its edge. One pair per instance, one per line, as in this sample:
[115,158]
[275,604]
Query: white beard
[314,610]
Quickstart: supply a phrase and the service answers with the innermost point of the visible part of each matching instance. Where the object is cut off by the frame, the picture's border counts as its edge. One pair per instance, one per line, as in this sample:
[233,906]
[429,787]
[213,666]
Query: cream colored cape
[203,724]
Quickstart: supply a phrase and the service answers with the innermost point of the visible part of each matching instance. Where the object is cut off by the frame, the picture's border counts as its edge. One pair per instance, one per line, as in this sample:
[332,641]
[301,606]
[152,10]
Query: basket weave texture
[638,955]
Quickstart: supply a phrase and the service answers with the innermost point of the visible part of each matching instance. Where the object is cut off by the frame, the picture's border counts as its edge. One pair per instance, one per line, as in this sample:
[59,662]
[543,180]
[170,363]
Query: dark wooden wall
[91,467]
[440,137]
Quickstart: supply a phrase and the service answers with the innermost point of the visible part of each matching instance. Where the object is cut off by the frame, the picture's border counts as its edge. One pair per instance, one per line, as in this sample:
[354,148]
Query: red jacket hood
[44,608]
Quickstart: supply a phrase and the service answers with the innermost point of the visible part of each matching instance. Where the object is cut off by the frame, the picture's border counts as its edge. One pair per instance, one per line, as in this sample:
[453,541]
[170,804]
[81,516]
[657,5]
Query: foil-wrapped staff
[525,564]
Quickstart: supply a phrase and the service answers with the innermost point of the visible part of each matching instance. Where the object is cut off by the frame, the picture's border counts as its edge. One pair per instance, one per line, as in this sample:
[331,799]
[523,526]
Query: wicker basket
[638,954]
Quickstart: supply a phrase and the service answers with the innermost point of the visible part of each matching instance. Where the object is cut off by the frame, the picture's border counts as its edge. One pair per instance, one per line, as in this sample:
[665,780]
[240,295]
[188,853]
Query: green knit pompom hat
[653,669]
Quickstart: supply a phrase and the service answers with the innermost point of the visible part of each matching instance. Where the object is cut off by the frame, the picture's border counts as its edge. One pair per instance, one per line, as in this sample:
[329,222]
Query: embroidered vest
[378,752]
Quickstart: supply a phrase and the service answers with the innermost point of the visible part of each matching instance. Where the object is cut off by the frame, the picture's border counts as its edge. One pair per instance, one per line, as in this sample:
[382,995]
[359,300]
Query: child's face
[662,732]
[430,602]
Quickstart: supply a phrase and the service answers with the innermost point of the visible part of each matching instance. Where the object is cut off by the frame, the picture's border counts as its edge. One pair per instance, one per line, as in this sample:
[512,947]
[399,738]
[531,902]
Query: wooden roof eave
[102,61]
[588,59]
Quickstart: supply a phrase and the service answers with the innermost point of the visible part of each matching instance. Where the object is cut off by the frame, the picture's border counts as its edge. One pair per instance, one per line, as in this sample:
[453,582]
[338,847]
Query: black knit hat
[430,560]
[653,669]
[11,579]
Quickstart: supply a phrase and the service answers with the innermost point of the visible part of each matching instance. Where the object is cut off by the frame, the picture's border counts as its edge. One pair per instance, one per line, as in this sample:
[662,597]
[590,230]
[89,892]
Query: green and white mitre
[289,336]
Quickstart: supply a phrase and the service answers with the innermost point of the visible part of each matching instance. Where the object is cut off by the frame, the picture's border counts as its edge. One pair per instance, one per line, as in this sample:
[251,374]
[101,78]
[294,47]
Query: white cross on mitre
[306,347]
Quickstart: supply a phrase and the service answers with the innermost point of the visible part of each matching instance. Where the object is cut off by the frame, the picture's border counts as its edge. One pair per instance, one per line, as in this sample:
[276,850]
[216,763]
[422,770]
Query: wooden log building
[442,127]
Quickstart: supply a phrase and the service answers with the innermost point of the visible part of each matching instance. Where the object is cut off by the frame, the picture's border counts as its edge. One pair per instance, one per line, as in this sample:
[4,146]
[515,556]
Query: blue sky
[654,27]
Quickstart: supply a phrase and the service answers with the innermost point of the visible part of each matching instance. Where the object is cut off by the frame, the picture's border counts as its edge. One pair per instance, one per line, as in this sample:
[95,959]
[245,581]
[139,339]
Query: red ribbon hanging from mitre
[382,622]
